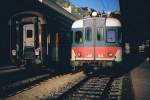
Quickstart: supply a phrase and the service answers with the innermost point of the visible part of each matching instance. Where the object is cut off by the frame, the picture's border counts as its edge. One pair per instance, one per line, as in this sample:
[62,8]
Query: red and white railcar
[96,41]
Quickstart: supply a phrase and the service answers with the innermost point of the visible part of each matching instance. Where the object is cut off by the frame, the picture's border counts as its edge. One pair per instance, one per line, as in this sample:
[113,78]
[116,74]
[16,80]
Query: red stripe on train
[100,52]
[85,52]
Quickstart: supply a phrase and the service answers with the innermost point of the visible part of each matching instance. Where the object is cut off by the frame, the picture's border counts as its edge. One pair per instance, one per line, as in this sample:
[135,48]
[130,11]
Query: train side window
[78,36]
[119,35]
[100,32]
[88,34]
[29,33]
[111,35]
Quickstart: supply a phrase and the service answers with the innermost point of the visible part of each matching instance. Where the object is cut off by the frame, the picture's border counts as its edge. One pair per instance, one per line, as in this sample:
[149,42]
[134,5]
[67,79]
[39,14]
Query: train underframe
[91,65]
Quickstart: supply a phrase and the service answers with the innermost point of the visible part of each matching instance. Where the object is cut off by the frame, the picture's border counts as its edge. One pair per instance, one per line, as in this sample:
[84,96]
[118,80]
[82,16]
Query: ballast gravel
[51,88]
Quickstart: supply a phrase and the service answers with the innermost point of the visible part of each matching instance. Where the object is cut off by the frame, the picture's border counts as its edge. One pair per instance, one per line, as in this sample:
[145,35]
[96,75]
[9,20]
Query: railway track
[95,88]
[51,87]
[19,86]
[22,81]
[115,91]
[89,88]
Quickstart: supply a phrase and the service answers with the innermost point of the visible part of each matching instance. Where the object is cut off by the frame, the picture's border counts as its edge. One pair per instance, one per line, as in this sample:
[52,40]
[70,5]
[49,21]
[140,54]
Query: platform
[141,81]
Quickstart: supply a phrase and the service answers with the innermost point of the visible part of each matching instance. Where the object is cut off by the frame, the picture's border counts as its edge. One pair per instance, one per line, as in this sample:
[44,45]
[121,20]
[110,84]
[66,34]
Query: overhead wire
[109,5]
[103,4]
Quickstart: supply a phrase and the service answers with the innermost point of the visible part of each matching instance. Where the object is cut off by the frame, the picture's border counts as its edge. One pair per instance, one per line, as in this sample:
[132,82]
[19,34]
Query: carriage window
[78,36]
[111,35]
[119,35]
[88,34]
[29,33]
[99,34]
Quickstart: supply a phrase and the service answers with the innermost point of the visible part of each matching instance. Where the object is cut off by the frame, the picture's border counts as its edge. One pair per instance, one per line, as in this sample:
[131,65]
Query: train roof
[78,24]
[113,22]
[109,22]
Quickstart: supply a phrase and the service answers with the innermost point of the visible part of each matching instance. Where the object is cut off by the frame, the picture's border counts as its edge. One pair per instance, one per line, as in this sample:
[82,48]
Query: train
[93,41]
[36,40]
[96,42]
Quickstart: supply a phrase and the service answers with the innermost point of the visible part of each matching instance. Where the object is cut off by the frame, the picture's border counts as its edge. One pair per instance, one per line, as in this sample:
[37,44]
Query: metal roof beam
[58,9]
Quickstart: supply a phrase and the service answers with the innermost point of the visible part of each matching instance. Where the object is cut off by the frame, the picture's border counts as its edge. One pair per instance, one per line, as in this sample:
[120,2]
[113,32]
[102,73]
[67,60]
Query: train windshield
[78,36]
[100,32]
[112,35]
[88,34]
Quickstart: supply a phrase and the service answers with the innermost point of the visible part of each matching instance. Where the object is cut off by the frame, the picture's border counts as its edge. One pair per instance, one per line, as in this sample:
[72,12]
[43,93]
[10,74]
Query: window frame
[74,35]
[116,34]
[101,35]
[29,33]
[119,34]
[88,35]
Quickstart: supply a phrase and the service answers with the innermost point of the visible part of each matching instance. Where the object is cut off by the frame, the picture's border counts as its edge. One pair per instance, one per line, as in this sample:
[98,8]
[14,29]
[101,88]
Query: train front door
[28,36]
[28,41]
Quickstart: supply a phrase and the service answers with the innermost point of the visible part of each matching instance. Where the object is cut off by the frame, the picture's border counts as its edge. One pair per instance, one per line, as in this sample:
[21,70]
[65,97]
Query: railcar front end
[96,42]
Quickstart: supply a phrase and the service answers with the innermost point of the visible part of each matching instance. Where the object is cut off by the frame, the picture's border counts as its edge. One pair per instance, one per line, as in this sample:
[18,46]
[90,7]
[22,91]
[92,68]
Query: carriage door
[28,41]
[28,36]
[89,39]
[99,41]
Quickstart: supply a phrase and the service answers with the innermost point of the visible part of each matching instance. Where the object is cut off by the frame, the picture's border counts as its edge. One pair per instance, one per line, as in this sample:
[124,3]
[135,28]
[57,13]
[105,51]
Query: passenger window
[29,33]
[111,35]
[119,35]
[100,34]
[78,36]
[88,34]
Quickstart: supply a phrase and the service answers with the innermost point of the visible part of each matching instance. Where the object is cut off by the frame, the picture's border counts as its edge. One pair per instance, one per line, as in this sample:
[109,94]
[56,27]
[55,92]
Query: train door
[94,38]
[28,35]
[99,41]
[28,41]
[89,39]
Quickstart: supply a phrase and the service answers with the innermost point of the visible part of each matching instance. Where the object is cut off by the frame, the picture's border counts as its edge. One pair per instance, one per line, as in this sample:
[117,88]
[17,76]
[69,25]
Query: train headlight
[94,14]
[14,52]
[110,54]
[78,54]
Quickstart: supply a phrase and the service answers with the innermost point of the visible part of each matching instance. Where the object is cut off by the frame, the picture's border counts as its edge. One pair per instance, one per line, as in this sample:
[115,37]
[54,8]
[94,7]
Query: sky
[99,5]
